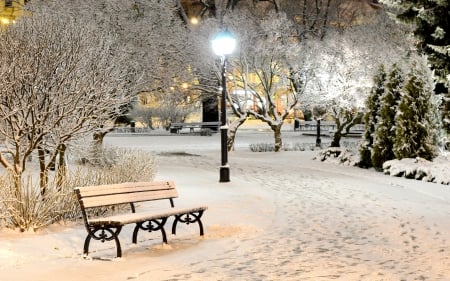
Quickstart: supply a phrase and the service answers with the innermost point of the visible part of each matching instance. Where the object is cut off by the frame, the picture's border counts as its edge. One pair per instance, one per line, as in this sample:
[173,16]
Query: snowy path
[331,223]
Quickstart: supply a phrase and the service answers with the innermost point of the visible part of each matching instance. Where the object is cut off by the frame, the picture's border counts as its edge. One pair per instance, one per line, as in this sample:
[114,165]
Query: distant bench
[312,125]
[107,228]
[326,127]
[176,127]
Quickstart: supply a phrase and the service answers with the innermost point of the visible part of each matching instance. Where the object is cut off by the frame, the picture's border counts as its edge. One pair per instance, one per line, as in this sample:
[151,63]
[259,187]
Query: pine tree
[416,132]
[370,117]
[432,29]
[385,128]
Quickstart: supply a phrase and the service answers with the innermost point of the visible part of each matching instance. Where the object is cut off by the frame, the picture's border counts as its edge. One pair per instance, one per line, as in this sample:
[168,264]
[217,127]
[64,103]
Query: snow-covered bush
[370,118]
[420,169]
[416,125]
[384,133]
[337,155]
[28,209]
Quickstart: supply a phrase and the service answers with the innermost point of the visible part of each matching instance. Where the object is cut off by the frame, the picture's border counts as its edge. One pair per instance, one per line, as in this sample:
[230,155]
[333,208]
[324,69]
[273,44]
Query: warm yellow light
[185,85]
[4,21]
[194,21]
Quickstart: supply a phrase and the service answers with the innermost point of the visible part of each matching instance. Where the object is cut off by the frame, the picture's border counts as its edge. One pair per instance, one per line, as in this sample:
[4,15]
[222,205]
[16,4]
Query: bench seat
[123,219]
[176,127]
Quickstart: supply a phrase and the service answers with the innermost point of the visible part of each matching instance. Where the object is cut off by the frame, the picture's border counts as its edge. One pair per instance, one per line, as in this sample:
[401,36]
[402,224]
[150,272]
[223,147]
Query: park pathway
[324,222]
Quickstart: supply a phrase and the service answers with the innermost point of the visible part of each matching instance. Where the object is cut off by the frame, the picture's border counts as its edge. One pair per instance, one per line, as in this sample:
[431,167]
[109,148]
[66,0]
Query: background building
[10,10]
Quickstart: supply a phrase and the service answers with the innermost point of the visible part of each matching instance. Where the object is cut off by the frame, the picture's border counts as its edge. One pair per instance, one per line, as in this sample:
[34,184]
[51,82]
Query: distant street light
[223,44]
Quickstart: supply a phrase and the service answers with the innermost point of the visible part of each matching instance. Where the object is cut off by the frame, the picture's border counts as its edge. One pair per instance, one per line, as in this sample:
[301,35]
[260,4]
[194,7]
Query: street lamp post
[223,44]
[318,140]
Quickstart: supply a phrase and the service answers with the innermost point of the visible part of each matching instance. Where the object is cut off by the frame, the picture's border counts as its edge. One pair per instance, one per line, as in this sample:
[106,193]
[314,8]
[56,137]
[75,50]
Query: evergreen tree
[432,29]
[416,127]
[385,128]
[370,117]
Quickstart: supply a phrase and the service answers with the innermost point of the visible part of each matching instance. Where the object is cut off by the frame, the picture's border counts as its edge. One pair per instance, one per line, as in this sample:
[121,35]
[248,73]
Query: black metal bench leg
[174,224]
[135,232]
[187,219]
[200,225]
[164,235]
[119,248]
[153,225]
[103,234]
[86,244]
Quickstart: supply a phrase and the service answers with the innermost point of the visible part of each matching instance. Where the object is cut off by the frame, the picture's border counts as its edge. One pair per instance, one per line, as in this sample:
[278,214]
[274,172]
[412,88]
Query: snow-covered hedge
[337,155]
[437,171]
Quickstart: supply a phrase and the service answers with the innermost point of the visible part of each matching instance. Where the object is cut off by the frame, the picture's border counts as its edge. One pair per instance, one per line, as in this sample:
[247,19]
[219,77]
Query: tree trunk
[277,134]
[337,138]
[232,130]
[43,174]
[97,148]
[62,166]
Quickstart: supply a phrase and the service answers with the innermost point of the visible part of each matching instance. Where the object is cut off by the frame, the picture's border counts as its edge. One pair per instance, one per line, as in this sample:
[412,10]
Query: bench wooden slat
[195,124]
[86,191]
[121,198]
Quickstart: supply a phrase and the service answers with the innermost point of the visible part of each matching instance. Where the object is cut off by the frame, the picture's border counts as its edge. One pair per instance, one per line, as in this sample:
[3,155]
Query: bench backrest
[183,124]
[130,192]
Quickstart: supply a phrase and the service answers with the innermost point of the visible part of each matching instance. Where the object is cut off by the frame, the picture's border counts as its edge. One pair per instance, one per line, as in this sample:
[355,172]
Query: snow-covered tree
[344,65]
[270,69]
[415,122]
[432,31]
[156,41]
[59,80]
[371,116]
[263,73]
[384,131]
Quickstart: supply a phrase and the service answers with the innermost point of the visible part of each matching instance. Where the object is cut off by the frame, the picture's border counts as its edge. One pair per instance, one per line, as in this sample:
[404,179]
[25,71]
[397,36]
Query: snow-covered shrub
[119,165]
[299,146]
[415,122]
[262,147]
[337,155]
[370,118]
[384,134]
[28,209]
[420,169]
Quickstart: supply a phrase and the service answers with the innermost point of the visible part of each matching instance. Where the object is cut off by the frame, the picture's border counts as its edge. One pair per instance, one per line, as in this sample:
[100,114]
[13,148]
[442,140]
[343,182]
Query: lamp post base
[224,174]
[318,142]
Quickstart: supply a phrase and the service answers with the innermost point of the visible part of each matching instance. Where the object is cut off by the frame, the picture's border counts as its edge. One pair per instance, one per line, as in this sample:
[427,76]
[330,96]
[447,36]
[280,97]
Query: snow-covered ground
[283,216]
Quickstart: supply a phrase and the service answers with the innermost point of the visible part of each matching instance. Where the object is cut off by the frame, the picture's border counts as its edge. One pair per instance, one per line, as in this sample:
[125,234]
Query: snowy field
[283,216]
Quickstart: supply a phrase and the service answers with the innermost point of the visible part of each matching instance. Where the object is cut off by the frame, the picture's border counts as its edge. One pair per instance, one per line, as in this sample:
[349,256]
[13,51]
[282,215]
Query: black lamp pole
[223,44]
[318,140]
[224,168]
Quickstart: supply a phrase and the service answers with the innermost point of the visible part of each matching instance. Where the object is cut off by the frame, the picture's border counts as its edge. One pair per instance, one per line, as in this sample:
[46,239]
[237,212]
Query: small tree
[345,118]
[384,134]
[416,126]
[370,117]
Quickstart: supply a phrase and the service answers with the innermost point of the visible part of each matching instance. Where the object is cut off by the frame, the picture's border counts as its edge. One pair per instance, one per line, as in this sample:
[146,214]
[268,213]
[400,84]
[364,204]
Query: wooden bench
[176,127]
[107,228]
[312,126]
